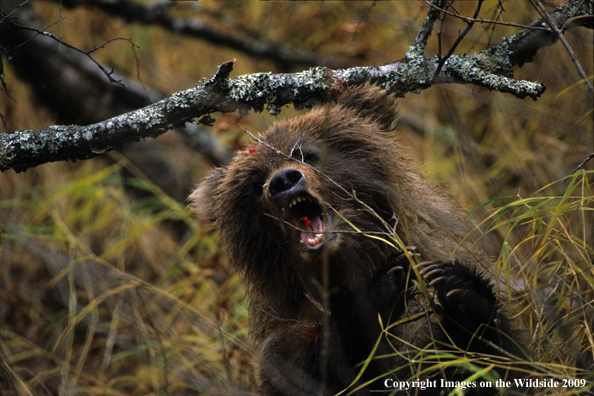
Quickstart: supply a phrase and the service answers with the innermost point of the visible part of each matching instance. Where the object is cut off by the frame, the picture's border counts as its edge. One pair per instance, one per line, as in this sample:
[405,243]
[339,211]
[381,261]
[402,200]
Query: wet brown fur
[355,149]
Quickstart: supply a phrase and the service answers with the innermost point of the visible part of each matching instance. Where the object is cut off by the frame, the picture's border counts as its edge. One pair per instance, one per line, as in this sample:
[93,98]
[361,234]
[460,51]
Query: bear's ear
[370,101]
[203,199]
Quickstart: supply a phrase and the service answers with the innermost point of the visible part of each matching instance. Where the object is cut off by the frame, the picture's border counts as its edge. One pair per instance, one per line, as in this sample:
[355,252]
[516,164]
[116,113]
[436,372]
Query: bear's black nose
[284,181]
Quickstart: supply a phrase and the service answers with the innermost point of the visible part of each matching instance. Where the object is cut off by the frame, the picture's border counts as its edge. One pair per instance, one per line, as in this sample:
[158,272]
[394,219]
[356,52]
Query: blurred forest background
[109,285]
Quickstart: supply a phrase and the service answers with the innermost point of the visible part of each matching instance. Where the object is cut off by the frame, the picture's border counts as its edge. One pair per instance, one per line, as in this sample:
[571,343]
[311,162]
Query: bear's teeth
[295,201]
[298,199]
[315,240]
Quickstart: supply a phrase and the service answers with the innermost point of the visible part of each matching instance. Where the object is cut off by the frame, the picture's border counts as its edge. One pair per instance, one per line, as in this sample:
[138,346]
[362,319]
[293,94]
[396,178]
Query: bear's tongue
[313,239]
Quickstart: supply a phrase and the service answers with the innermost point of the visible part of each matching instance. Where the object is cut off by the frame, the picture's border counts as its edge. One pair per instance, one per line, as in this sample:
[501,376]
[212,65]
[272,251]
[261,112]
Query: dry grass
[107,294]
[101,295]
[547,275]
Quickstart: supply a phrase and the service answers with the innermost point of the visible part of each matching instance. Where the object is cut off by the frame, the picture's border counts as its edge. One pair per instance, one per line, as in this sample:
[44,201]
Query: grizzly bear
[326,218]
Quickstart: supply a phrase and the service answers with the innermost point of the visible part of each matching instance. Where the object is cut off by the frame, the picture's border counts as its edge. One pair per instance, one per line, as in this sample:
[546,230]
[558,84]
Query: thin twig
[588,158]
[427,28]
[297,228]
[391,232]
[40,32]
[480,20]
[439,33]
[546,16]
[469,25]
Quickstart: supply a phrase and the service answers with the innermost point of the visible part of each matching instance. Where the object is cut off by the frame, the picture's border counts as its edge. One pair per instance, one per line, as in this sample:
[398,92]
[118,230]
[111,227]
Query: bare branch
[476,19]
[584,162]
[491,68]
[26,149]
[461,36]
[43,32]
[55,70]
[192,27]
[528,41]
[427,28]
[537,35]
[547,17]
[56,73]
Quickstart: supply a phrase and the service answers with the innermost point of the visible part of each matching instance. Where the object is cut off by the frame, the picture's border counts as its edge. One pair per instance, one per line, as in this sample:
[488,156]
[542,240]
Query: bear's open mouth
[305,213]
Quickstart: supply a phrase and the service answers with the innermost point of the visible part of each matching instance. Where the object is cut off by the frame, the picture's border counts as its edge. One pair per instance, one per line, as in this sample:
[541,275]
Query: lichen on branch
[491,68]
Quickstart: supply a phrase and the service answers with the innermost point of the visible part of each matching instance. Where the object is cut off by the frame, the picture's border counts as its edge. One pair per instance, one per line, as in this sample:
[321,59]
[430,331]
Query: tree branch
[491,68]
[55,70]
[547,17]
[469,25]
[528,41]
[427,28]
[25,149]
[192,27]
[43,32]
[71,85]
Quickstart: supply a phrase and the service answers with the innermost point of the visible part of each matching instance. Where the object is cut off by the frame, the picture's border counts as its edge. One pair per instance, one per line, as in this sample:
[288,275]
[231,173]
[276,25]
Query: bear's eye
[311,157]
[258,187]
